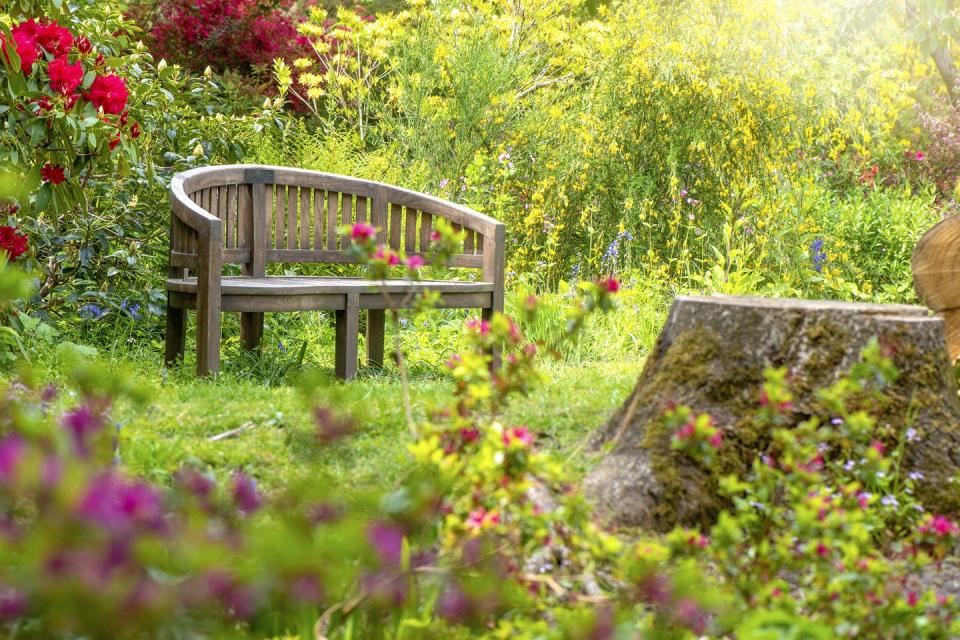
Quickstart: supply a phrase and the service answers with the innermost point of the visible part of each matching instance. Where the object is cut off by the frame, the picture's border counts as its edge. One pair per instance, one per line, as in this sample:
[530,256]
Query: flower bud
[162,64]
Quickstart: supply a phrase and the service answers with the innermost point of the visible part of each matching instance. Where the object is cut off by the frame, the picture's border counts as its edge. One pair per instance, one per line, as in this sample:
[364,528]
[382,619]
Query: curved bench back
[255,215]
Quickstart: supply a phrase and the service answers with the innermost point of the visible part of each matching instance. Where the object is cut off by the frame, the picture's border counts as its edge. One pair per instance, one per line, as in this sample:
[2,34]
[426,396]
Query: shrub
[242,35]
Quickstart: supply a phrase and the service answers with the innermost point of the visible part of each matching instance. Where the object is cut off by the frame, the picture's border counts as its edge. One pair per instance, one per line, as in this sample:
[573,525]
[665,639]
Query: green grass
[175,428]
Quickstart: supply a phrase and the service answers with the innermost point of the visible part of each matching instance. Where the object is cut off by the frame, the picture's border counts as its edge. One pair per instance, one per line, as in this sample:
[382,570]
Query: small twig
[246,426]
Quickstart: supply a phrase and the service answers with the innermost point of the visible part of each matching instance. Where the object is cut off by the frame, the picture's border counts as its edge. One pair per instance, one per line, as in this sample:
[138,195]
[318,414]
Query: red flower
[609,285]
[109,93]
[13,242]
[55,39]
[71,100]
[83,45]
[135,130]
[65,77]
[519,435]
[25,39]
[52,173]
[115,141]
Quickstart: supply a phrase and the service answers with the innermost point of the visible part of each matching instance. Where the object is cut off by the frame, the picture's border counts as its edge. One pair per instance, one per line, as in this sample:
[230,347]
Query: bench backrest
[259,215]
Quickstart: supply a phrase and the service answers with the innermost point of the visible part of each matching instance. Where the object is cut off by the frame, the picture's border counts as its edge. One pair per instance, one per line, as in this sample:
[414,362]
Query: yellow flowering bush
[710,146]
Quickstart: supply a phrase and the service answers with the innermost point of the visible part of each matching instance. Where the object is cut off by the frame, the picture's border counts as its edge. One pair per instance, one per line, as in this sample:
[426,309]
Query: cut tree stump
[711,356]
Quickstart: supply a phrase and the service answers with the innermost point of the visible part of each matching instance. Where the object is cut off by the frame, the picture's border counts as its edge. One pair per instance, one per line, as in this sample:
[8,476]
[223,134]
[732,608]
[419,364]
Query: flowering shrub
[225,34]
[827,517]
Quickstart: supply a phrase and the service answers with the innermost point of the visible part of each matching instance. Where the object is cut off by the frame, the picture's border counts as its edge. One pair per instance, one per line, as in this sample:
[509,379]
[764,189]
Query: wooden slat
[297,285]
[244,216]
[361,209]
[426,226]
[346,206]
[332,216]
[318,200]
[183,260]
[378,215]
[305,215]
[468,242]
[260,229]
[279,217]
[479,244]
[334,256]
[410,240]
[236,256]
[231,209]
[396,217]
[292,196]
[223,205]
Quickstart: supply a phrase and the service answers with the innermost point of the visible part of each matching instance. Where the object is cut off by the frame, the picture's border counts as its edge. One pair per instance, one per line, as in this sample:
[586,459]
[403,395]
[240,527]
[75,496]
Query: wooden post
[493,267]
[347,331]
[176,333]
[251,323]
[208,300]
[376,329]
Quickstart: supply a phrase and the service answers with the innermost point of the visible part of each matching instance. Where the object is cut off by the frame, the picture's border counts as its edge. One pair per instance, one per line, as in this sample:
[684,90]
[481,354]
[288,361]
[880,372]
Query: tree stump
[711,356]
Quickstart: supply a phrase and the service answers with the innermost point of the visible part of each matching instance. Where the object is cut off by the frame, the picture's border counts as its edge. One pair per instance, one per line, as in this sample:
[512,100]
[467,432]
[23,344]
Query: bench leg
[376,326]
[251,330]
[176,339]
[208,340]
[348,330]
[495,355]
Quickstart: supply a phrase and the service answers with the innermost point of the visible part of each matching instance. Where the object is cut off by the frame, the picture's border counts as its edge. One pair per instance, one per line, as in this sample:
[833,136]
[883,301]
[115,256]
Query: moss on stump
[711,355]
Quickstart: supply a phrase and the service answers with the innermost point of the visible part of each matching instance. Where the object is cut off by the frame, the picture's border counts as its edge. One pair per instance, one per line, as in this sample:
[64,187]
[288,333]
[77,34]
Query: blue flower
[817,254]
[91,311]
[132,310]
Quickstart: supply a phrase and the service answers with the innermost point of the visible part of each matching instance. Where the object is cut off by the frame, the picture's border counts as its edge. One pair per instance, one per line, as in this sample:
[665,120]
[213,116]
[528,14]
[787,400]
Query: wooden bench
[254,216]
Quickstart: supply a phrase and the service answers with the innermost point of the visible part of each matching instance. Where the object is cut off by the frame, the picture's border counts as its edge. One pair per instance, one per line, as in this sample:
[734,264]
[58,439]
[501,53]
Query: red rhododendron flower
[25,39]
[55,39]
[115,141]
[135,130]
[83,45]
[108,93]
[52,173]
[13,242]
[71,100]
[65,77]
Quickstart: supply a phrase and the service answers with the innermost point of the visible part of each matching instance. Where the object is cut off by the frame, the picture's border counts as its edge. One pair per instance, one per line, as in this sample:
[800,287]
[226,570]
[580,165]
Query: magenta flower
[122,506]
[362,232]
[12,449]
[245,493]
[387,541]
[82,423]
[414,262]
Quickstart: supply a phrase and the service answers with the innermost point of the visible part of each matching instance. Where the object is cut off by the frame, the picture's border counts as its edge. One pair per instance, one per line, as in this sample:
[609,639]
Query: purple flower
[81,422]
[454,605]
[122,506]
[245,493]
[912,435]
[13,604]
[889,501]
[444,183]
[916,475]
[387,540]
[817,254]
[12,449]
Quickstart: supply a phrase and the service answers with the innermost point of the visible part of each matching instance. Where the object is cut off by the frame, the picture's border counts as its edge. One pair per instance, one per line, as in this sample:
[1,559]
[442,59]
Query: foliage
[243,36]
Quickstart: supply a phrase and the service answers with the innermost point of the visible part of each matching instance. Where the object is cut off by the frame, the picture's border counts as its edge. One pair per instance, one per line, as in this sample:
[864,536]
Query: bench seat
[298,285]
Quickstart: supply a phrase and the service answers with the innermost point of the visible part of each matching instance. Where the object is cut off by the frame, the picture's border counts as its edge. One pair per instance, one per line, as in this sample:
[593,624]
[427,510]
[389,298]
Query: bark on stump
[711,355]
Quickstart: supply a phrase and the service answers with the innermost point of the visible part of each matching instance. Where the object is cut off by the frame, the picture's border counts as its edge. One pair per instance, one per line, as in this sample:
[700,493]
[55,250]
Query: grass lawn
[174,429]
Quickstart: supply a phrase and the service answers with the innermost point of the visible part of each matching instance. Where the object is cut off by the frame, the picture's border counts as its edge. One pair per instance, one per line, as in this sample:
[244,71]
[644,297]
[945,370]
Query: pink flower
[480,518]
[362,232]
[12,449]
[435,236]
[414,262]
[878,446]
[108,93]
[65,77]
[912,598]
[716,440]
[822,549]
[386,255]
[918,156]
[518,435]
[52,173]
[479,326]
